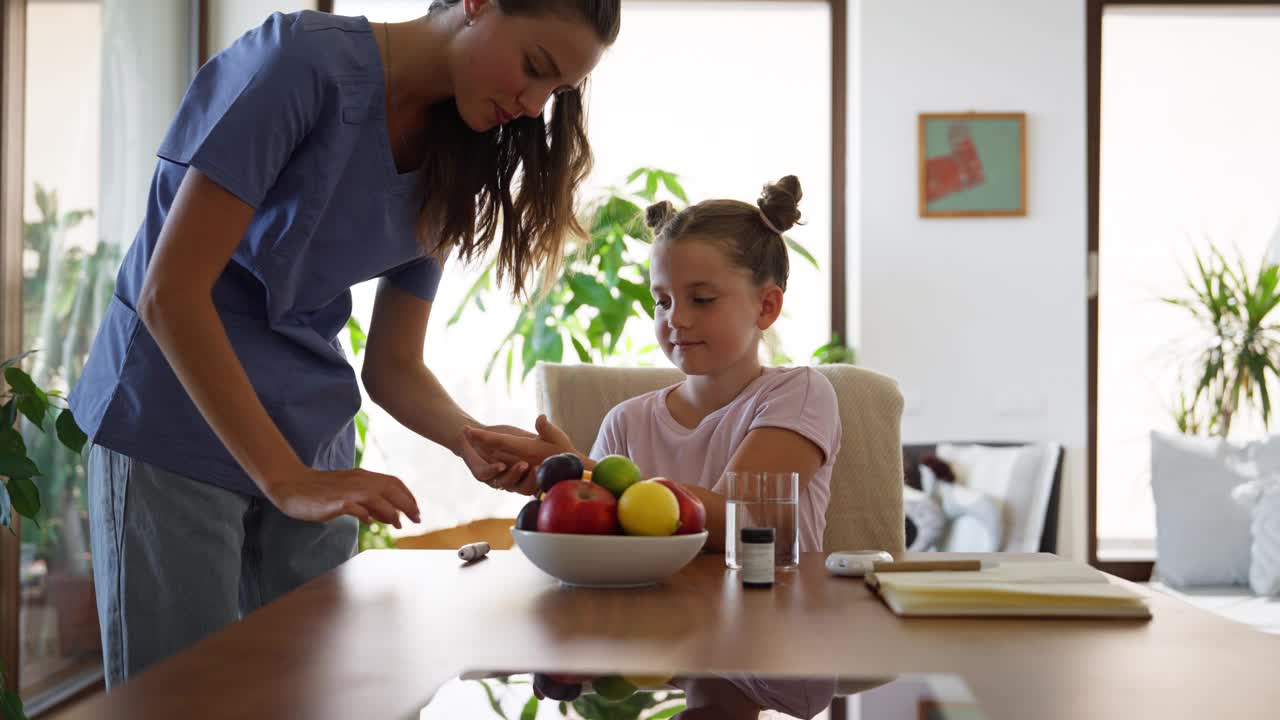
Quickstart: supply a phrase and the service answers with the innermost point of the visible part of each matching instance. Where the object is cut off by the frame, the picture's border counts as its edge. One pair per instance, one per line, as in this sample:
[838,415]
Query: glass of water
[763,500]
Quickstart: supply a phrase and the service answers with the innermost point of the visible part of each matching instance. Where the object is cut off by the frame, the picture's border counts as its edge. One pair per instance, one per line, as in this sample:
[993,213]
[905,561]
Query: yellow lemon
[649,508]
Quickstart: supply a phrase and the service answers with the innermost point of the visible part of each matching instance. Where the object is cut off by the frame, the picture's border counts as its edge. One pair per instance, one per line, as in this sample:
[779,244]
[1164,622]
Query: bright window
[1189,148]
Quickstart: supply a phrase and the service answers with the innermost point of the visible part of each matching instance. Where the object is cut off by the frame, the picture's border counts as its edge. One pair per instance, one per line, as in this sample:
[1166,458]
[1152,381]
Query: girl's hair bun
[780,202]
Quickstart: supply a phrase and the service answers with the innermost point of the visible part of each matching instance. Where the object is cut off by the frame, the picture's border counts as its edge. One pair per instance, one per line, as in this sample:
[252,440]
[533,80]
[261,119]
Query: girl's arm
[766,449]
[397,379]
[201,232]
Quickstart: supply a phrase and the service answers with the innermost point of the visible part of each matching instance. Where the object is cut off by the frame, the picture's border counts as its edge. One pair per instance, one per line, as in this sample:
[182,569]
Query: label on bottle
[757,563]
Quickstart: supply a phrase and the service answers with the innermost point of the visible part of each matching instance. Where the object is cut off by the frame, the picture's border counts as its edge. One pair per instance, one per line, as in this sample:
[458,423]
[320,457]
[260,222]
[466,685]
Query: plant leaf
[69,432]
[8,413]
[650,191]
[11,704]
[639,294]
[358,337]
[583,355]
[800,250]
[11,443]
[530,711]
[13,466]
[25,496]
[15,360]
[528,357]
[21,382]
[481,284]
[673,186]
[510,352]
[362,426]
[636,173]
[35,407]
[590,291]
[493,701]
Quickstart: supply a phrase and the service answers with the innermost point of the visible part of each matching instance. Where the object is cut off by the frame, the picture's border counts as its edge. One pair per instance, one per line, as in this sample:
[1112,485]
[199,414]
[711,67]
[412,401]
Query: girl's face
[508,66]
[709,313]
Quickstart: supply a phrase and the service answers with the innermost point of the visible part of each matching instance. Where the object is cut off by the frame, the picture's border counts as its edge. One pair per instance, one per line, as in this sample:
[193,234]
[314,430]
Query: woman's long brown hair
[473,193]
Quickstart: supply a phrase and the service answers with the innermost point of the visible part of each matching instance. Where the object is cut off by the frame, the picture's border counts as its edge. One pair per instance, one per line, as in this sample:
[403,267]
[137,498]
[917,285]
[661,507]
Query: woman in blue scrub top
[315,153]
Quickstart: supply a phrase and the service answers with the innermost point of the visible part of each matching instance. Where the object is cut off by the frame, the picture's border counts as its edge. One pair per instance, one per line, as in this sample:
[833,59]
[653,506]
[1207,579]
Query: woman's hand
[320,495]
[503,473]
[526,448]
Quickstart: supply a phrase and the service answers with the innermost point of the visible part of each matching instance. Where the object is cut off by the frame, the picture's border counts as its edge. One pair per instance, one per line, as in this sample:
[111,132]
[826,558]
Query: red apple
[693,514]
[578,506]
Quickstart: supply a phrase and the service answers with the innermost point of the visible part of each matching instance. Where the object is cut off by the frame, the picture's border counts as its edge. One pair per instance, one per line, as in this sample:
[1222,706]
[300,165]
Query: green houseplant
[1232,368]
[18,492]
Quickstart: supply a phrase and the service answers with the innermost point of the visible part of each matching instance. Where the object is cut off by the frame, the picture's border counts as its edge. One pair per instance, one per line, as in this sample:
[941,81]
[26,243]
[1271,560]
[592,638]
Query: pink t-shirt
[797,399]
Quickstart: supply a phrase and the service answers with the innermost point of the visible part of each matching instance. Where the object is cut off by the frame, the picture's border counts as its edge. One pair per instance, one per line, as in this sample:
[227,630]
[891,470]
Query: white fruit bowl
[617,561]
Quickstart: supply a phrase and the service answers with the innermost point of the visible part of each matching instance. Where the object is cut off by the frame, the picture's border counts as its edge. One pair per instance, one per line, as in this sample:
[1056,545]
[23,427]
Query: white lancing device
[473,551]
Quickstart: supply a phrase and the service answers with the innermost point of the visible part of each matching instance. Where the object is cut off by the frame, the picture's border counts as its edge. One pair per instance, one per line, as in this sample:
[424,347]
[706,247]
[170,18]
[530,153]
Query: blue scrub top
[290,119]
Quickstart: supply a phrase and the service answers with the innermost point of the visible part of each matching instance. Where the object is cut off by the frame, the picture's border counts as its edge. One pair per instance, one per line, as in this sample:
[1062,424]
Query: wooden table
[374,638]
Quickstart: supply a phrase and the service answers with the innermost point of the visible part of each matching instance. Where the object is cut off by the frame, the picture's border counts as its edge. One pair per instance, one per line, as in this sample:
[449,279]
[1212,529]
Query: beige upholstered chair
[866,483]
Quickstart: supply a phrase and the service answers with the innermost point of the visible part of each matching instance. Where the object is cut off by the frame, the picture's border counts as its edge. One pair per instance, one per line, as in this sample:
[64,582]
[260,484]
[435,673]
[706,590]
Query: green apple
[613,688]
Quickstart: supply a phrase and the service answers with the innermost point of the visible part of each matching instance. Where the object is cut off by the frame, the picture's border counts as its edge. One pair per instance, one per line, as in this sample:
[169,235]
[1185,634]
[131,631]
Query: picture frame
[972,164]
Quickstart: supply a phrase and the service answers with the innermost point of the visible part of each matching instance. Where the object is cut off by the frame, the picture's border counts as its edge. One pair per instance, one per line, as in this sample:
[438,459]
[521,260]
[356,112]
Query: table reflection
[705,696]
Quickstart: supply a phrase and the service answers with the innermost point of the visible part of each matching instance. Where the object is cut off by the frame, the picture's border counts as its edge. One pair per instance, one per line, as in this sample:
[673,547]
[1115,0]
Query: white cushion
[1020,479]
[1202,534]
[1262,498]
[975,523]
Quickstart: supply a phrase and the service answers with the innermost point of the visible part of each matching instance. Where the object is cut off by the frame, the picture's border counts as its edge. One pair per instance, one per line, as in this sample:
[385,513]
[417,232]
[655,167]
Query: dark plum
[564,692]
[565,466]
[528,517]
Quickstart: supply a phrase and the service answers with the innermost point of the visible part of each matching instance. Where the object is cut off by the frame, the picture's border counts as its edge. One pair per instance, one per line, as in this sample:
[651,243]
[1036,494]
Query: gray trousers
[175,559]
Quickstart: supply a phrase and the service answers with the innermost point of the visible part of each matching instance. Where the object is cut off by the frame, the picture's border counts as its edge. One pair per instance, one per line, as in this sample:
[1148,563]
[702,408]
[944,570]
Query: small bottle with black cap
[757,557]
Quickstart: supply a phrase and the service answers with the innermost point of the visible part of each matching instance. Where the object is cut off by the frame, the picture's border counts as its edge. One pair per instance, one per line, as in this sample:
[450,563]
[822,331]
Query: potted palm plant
[1232,369]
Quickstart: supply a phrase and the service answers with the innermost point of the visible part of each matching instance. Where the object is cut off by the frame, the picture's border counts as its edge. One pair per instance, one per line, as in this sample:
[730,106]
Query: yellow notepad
[1035,588]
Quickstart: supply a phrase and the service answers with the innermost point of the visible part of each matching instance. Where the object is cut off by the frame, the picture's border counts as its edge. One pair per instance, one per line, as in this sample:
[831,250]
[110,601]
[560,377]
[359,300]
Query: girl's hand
[530,449]
[320,495]
[506,473]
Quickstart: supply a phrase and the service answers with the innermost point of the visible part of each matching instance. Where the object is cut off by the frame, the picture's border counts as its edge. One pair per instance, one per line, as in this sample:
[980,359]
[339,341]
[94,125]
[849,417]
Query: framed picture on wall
[973,164]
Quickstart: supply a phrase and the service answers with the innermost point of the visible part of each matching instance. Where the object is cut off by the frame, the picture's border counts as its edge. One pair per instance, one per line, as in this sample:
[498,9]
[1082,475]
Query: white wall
[982,321]
[229,19]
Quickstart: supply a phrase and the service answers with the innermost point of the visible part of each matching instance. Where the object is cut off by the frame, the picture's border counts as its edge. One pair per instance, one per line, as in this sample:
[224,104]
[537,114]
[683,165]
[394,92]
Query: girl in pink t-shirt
[718,272]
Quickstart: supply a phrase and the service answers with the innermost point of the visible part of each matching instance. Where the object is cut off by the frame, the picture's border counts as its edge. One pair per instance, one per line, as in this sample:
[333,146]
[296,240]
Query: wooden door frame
[13,36]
